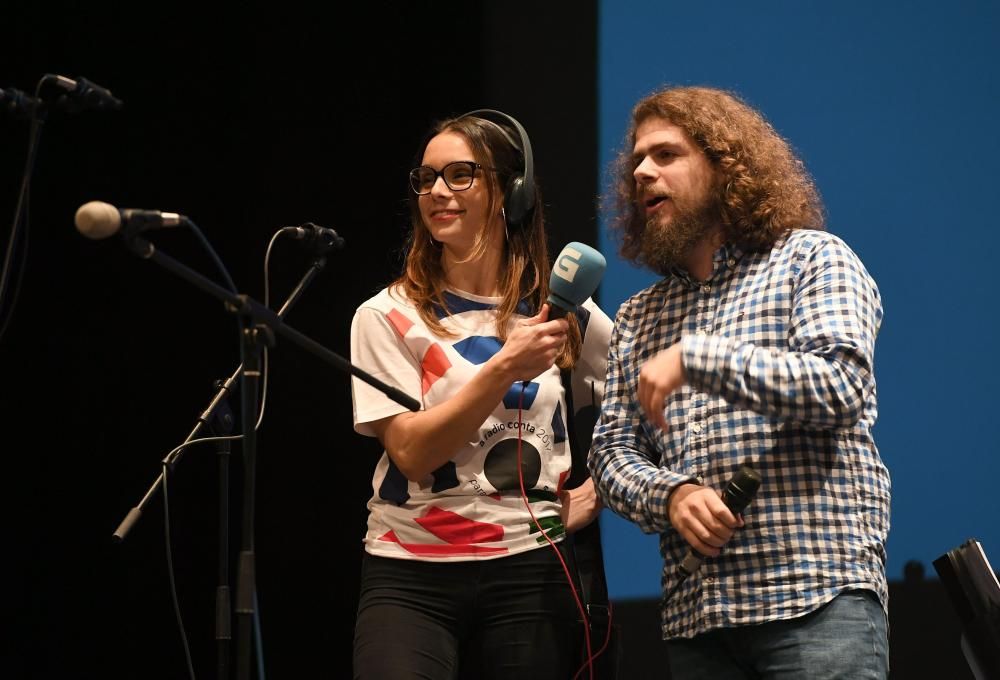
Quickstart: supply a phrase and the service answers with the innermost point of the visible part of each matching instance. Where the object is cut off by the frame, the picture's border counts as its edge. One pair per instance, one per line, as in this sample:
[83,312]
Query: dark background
[246,120]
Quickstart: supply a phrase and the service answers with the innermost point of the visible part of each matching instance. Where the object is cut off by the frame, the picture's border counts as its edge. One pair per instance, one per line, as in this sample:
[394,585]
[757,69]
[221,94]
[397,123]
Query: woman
[462,571]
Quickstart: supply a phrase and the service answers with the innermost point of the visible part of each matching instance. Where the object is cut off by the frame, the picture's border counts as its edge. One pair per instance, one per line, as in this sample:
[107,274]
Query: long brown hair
[524,267]
[764,190]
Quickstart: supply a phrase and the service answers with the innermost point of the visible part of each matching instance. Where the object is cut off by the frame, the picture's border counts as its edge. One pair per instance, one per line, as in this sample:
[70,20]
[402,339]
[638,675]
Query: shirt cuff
[704,358]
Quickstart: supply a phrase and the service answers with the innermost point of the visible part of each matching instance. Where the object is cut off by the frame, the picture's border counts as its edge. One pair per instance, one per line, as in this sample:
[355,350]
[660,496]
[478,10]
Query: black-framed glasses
[458,175]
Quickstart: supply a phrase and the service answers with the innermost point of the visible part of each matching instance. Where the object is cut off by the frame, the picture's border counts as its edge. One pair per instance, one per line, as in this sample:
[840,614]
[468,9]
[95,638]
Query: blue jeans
[845,638]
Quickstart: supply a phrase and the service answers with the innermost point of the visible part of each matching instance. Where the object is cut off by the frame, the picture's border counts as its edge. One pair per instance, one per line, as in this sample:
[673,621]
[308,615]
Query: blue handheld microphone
[574,278]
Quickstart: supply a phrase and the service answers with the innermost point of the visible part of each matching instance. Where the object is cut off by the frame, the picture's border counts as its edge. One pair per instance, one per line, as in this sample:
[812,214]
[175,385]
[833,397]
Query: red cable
[569,577]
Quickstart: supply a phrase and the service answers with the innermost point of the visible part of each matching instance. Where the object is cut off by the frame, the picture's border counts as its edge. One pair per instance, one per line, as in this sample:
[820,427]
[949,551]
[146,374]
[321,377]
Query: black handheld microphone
[320,239]
[98,220]
[737,496]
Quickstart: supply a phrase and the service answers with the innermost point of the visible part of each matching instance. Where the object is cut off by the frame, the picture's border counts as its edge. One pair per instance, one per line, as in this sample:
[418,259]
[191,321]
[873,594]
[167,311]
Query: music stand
[974,591]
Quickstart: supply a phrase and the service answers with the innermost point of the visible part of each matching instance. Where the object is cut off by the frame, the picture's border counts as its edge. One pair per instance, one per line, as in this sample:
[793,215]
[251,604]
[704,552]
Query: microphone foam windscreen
[98,219]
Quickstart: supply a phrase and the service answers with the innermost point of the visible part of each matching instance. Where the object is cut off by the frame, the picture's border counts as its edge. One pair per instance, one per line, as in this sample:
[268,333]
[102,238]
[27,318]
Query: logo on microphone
[568,264]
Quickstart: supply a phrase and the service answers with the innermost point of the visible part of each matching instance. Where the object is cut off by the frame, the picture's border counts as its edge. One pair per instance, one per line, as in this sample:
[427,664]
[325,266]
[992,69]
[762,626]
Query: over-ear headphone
[519,194]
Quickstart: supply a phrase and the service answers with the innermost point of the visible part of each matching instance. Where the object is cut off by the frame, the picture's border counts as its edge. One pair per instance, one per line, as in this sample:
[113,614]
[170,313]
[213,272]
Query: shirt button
[699,479]
[706,288]
[696,427]
[709,579]
[731,262]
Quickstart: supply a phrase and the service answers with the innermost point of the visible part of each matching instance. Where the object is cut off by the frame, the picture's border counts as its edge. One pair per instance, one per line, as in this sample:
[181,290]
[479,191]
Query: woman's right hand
[532,346]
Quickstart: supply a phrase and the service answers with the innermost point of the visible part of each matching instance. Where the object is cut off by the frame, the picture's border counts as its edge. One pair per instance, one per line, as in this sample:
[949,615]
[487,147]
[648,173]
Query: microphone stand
[224,388]
[222,426]
[258,326]
[254,337]
[218,417]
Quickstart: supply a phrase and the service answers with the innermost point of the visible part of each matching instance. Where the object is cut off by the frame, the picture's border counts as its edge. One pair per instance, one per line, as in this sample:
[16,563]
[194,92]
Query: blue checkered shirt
[778,349]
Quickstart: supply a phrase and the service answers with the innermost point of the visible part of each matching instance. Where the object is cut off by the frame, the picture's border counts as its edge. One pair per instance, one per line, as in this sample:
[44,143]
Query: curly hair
[524,269]
[764,190]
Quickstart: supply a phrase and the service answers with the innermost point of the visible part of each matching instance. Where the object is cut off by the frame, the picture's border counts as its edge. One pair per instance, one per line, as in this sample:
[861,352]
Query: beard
[666,245]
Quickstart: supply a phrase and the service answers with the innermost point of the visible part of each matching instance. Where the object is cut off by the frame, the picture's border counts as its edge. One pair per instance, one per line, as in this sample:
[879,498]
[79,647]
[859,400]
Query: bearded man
[755,349]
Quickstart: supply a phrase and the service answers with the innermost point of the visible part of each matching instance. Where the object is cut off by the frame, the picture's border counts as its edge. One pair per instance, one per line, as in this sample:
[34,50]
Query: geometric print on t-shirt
[457,305]
[434,364]
[478,349]
[500,466]
[441,517]
[395,487]
[459,536]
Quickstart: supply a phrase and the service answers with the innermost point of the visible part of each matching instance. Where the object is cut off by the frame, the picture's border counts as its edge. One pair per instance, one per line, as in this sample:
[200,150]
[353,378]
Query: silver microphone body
[97,220]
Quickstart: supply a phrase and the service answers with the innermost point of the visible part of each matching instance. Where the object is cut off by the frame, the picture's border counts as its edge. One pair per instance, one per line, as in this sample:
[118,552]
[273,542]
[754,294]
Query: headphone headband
[519,195]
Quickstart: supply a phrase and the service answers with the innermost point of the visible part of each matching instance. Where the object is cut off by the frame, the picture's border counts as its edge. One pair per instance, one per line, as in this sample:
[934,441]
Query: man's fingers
[711,539]
[705,540]
[725,516]
[658,401]
[647,399]
[652,401]
[701,546]
[657,417]
[717,537]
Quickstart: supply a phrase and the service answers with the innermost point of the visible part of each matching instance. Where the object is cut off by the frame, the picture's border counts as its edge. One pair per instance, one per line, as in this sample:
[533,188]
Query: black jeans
[511,617]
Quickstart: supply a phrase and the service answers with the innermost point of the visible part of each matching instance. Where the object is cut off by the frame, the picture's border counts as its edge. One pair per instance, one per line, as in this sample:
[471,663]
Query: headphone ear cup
[516,203]
[519,194]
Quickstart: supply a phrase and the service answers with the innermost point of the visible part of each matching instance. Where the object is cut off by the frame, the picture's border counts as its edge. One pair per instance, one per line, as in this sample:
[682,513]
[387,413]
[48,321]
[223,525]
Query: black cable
[170,573]
[16,227]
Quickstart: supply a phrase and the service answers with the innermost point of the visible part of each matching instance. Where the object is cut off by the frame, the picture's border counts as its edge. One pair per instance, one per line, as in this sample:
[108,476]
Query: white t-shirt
[471,507]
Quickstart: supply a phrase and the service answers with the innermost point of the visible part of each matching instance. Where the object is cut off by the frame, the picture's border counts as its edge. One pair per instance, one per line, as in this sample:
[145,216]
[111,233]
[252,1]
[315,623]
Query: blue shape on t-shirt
[558,427]
[512,399]
[445,477]
[477,349]
[582,317]
[457,305]
[395,487]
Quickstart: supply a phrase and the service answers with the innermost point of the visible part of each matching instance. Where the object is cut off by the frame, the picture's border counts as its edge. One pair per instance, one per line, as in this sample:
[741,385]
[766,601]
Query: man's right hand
[660,377]
[701,517]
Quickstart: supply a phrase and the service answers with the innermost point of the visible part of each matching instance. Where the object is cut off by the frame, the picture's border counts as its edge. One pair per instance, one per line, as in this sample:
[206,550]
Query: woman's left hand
[580,506]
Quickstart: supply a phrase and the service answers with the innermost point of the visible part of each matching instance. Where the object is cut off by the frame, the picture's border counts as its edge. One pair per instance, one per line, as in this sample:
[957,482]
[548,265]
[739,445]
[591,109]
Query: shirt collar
[724,261]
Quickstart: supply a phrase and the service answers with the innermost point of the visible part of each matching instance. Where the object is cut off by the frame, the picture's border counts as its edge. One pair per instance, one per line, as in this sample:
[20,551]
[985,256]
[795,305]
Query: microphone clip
[19,104]
[81,94]
[321,240]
